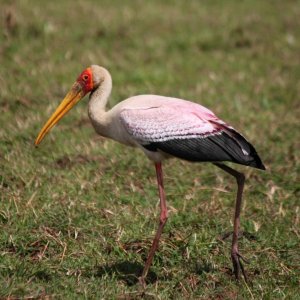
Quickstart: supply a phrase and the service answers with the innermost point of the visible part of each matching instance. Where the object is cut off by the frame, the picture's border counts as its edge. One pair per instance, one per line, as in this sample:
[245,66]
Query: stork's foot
[238,267]
[142,282]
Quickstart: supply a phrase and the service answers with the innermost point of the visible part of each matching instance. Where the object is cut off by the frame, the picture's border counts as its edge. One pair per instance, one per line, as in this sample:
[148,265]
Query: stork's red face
[85,79]
[82,86]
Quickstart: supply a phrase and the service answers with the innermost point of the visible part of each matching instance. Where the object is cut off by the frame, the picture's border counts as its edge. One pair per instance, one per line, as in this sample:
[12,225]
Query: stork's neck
[99,98]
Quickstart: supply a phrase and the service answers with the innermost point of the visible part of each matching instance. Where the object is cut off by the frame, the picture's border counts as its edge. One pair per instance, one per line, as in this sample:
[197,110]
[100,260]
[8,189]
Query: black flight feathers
[227,145]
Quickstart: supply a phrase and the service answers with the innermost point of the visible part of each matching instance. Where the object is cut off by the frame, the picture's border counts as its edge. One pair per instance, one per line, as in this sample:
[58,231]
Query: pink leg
[235,255]
[162,221]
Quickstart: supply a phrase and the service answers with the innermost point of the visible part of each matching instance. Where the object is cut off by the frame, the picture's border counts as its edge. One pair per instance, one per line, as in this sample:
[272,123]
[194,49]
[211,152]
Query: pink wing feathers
[189,131]
[165,122]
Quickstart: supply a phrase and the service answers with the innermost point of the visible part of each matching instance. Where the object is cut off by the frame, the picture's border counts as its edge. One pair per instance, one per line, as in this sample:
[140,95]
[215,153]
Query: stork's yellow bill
[80,88]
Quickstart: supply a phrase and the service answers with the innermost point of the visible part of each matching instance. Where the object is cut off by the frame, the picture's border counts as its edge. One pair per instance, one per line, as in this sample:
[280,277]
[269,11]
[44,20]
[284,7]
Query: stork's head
[90,79]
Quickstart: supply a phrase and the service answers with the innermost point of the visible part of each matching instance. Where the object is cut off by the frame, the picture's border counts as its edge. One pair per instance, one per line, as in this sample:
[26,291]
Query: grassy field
[78,214]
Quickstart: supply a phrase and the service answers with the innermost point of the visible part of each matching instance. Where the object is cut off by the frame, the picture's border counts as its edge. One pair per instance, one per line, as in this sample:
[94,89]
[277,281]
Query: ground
[78,213]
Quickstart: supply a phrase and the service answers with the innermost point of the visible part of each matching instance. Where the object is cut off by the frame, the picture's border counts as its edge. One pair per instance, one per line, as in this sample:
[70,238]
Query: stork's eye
[85,77]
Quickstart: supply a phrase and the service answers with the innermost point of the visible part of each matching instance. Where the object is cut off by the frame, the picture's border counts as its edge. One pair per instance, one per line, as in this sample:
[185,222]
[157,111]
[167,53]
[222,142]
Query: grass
[78,214]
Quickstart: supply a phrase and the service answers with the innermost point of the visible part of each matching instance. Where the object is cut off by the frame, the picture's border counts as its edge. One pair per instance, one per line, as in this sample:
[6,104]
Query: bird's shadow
[127,271]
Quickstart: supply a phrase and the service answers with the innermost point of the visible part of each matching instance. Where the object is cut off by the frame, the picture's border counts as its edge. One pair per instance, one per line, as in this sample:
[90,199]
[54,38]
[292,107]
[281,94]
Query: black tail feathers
[250,157]
[256,162]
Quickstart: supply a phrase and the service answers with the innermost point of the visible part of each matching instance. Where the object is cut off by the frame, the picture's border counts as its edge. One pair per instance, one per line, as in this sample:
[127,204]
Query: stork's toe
[238,267]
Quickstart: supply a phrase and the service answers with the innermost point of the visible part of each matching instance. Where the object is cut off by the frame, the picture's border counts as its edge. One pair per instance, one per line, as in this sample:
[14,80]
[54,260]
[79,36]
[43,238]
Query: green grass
[78,214]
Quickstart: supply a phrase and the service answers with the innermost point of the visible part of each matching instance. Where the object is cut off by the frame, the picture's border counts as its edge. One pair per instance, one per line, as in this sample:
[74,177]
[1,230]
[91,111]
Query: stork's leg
[162,221]
[235,255]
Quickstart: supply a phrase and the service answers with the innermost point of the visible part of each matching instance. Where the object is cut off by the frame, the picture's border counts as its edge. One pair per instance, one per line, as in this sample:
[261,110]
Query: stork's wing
[192,135]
